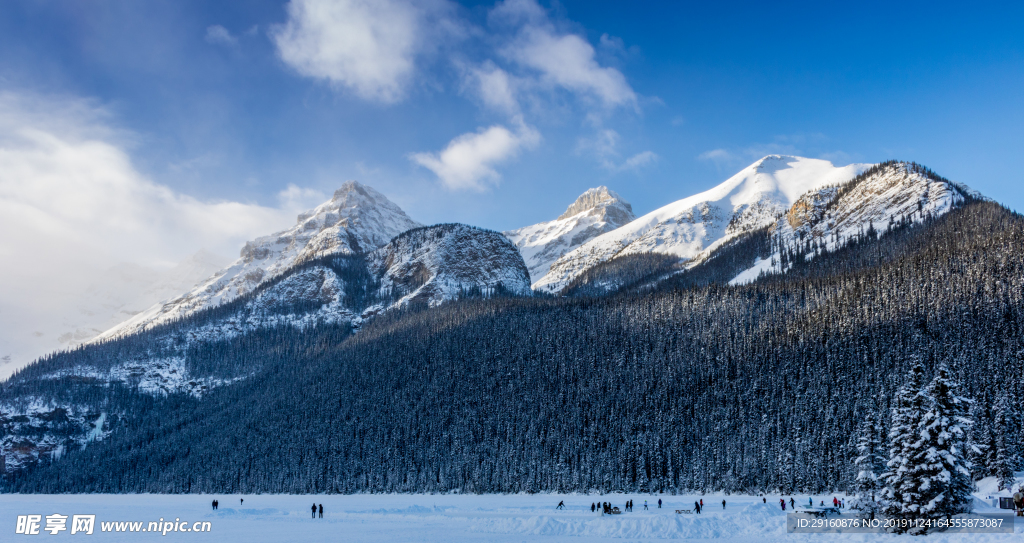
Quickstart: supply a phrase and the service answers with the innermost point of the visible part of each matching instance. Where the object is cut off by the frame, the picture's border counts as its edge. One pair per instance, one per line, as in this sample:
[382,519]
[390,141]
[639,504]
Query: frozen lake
[442,518]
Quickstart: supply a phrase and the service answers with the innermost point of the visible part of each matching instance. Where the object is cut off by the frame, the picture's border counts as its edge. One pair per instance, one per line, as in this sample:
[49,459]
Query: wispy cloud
[469,160]
[605,147]
[494,86]
[218,35]
[560,59]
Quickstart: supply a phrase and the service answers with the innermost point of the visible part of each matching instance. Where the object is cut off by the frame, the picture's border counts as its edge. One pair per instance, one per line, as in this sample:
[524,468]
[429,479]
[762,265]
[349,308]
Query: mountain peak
[352,186]
[694,226]
[593,198]
[357,219]
[595,212]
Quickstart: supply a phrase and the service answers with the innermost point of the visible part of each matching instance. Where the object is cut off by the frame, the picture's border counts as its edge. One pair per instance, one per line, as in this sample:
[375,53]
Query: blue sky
[271,105]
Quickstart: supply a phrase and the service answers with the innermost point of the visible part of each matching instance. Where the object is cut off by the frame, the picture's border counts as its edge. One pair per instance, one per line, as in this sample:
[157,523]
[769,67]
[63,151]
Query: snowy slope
[693,226]
[429,265]
[432,265]
[827,218]
[357,219]
[595,212]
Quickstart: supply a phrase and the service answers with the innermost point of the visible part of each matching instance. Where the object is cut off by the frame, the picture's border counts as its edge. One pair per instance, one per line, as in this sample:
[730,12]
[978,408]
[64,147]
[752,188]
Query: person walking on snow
[592,507]
[783,503]
[723,505]
[314,510]
[659,503]
[792,503]
[645,505]
[321,510]
[696,507]
[561,505]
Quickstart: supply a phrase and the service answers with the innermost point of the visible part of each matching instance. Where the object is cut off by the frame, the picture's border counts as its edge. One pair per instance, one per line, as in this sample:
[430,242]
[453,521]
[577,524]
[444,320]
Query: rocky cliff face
[434,264]
[595,212]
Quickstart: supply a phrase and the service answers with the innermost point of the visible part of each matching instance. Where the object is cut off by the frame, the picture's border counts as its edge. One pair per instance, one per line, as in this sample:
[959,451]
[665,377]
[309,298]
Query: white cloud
[639,160]
[494,86]
[605,145]
[218,35]
[717,156]
[366,46]
[562,59]
[298,199]
[73,205]
[468,161]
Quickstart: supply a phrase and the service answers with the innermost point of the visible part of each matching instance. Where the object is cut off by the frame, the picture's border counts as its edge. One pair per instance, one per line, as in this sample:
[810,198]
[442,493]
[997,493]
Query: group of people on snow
[313,509]
[216,503]
[836,502]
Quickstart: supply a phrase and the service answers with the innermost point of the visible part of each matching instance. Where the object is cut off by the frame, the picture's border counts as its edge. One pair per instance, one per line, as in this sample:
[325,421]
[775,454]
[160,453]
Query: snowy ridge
[595,212]
[357,219]
[428,265]
[827,218]
[695,226]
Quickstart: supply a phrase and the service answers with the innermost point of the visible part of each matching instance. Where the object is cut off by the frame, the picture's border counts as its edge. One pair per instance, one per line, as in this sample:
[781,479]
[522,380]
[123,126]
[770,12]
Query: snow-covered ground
[444,518]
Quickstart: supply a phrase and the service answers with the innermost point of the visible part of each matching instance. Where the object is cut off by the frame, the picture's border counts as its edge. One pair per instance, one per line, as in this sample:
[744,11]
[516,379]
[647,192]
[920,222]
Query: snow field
[449,518]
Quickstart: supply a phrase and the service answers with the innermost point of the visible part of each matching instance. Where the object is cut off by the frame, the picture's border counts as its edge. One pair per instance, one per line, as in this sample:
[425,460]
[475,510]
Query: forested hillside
[683,386]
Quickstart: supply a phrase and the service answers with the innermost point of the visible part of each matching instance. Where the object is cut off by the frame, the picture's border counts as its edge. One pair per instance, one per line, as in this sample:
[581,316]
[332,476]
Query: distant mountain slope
[357,219]
[758,388]
[887,195]
[595,212]
[694,226]
[201,352]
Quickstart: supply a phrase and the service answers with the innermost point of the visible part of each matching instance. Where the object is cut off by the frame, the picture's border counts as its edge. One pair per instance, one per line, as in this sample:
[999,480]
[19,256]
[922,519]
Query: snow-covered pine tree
[1003,457]
[939,465]
[981,448]
[901,493]
[869,464]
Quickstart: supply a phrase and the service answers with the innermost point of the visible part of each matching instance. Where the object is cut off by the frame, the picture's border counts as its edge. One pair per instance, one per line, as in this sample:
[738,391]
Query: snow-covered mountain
[428,265]
[595,212]
[357,219]
[438,263]
[693,227]
[880,198]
